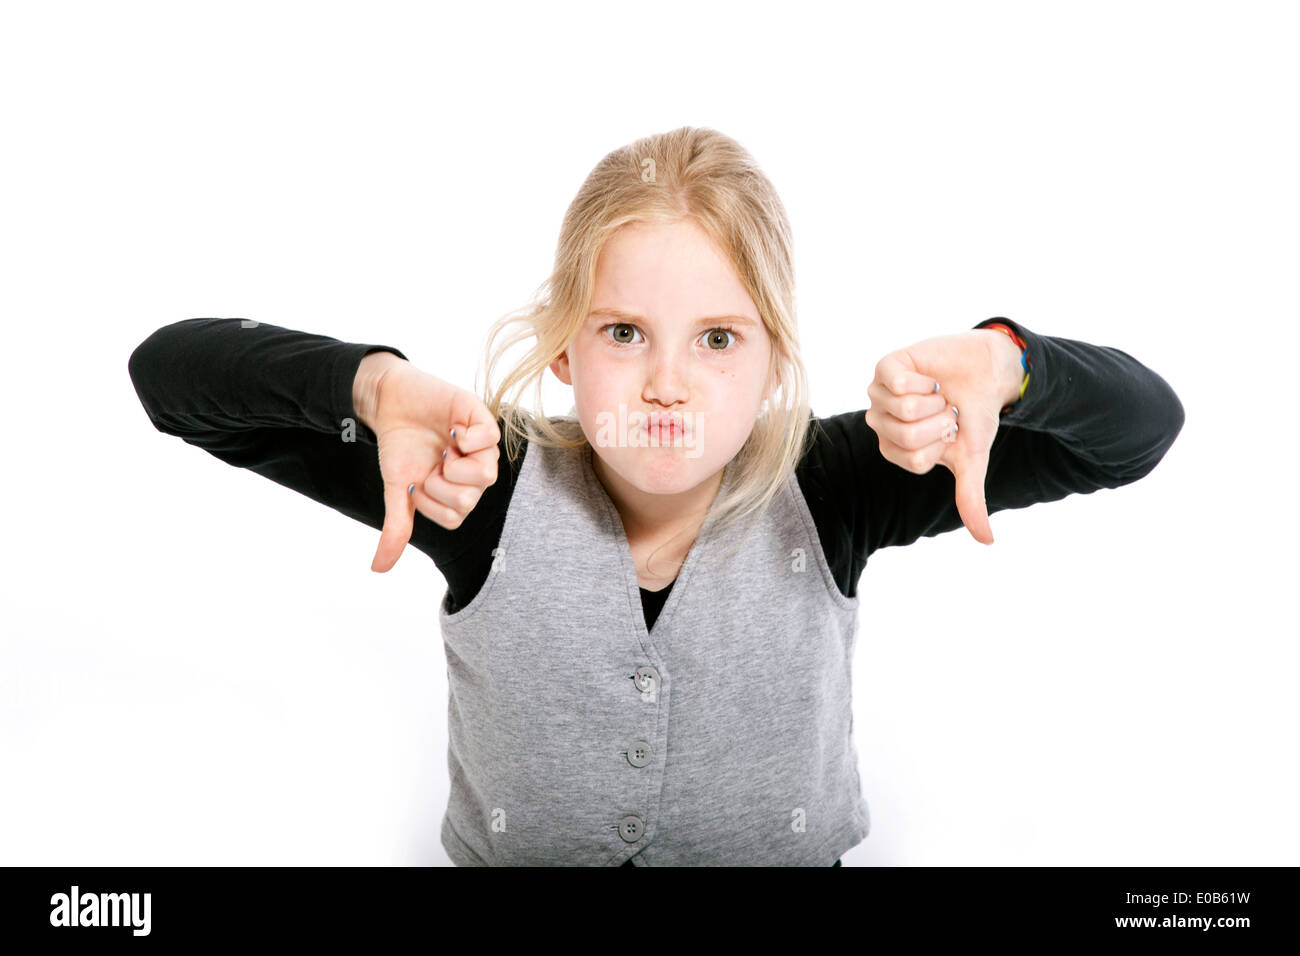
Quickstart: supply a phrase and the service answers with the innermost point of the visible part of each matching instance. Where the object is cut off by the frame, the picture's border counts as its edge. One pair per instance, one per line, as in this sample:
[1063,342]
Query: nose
[666,376]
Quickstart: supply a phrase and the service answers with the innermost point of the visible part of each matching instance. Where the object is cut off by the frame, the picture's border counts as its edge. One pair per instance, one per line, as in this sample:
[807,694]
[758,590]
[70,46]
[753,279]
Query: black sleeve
[279,403]
[1092,417]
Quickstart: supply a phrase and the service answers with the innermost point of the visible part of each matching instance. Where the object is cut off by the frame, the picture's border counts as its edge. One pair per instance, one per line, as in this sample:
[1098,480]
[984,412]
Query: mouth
[665,426]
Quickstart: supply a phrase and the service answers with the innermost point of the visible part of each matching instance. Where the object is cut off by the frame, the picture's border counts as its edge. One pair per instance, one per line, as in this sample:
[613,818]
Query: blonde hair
[689,173]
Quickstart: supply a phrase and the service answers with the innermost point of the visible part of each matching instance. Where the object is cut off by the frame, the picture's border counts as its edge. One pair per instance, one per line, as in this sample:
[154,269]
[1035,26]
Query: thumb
[970,498]
[398,523]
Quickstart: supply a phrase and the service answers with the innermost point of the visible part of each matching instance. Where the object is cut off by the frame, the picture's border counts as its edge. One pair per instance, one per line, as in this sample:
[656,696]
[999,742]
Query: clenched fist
[437,448]
[939,402]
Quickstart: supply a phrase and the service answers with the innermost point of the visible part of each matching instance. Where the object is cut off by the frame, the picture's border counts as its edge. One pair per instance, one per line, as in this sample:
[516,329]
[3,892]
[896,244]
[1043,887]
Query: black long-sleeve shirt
[276,401]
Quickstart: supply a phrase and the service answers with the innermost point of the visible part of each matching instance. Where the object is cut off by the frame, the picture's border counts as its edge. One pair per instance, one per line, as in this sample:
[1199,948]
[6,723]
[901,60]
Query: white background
[198,666]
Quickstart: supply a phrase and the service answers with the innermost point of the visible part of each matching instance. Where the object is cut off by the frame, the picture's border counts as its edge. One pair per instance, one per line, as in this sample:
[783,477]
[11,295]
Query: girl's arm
[278,402]
[1092,417]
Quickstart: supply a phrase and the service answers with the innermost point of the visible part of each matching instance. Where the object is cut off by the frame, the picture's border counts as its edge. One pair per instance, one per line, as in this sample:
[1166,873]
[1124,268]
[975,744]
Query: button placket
[645,681]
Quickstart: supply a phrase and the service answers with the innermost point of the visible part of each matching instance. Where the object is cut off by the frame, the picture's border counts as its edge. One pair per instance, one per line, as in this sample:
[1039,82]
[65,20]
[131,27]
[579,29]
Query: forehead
[668,270]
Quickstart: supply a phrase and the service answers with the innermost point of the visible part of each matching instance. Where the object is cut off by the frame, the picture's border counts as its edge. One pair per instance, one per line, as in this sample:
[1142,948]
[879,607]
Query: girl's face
[669,370]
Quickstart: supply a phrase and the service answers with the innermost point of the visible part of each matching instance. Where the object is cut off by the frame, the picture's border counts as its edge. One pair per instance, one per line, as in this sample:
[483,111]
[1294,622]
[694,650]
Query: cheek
[599,378]
[740,384]
[600,391]
[585,370]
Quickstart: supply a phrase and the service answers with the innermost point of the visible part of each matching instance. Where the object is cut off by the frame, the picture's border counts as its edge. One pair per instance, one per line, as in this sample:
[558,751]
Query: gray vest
[724,736]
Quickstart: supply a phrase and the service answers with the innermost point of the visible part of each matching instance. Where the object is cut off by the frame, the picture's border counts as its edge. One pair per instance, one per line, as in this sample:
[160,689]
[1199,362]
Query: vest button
[638,755]
[646,679]
[630,828]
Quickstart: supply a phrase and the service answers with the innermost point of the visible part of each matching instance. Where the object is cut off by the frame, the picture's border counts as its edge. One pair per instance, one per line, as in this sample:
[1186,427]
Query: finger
[912,436]
[398,521]
[971,504]
[478,468]
[900,379]
[919,461]
[476,434]
[435,509]
[451,500]
[907,408]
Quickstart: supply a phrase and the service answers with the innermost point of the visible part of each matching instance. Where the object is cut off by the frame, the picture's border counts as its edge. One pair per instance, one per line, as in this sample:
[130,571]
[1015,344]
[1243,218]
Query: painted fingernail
[444,453]
[950,433]
[954,412]
[936,386]
[453,433]
[410,491]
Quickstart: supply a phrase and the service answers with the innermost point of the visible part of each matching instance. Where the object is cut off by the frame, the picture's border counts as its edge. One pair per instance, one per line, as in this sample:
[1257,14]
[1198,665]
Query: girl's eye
[619,330]
[715,338]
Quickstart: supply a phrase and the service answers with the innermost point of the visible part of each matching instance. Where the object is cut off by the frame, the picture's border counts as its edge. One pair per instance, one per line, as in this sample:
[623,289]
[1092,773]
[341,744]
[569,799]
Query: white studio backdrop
[199,667]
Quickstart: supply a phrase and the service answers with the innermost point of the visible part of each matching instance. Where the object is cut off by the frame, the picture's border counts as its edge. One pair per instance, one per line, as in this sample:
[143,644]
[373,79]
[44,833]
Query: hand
[414,415]
[916,425]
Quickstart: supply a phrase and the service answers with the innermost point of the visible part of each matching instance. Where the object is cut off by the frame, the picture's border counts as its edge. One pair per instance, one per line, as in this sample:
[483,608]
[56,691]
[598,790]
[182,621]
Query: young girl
[651,605]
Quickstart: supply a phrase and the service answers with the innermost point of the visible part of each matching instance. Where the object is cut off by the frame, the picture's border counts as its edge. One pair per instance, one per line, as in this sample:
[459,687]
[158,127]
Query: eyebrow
[632,317]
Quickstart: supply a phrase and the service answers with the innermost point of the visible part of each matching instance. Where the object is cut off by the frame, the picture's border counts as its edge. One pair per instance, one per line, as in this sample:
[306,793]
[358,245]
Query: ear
[561,368]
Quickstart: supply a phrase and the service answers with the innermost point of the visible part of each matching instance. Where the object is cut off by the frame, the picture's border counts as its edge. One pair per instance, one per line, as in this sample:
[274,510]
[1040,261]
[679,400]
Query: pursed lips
[659,420]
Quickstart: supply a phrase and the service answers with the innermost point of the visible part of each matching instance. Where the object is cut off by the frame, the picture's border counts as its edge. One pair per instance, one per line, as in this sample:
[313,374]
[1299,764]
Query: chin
[662,471]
